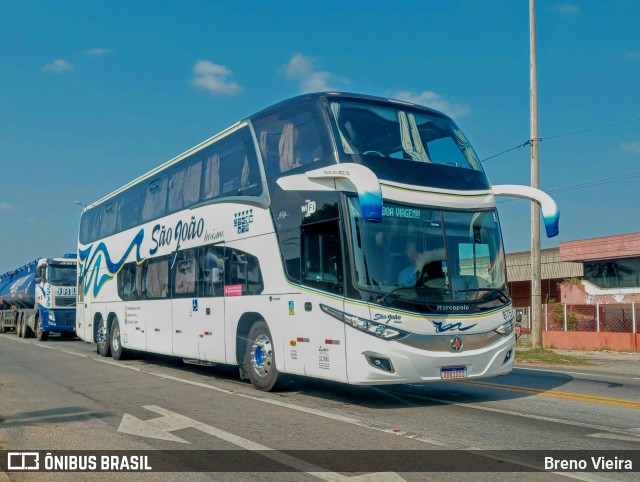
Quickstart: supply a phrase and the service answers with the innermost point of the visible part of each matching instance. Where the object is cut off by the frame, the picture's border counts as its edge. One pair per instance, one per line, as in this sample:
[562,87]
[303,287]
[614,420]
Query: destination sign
[400,212]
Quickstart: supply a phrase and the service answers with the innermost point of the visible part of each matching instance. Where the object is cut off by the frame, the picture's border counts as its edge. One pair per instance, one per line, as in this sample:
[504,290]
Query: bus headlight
[52,315]
[506,328]
[371,327]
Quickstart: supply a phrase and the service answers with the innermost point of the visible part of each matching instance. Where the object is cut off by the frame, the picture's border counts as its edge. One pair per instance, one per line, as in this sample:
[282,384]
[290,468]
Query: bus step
[195,361]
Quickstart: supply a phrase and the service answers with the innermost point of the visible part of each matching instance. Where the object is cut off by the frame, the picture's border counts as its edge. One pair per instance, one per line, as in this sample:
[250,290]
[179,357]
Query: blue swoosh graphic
[92,266]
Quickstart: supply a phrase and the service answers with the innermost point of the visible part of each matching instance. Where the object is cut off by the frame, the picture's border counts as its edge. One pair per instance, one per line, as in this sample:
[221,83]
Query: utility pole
[536,267]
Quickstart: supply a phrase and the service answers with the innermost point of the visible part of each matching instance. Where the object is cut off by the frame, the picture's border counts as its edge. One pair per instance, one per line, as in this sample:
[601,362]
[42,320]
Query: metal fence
[612,318]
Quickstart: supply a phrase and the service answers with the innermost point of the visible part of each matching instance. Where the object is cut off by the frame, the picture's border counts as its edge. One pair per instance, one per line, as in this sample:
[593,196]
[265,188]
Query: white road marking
[169,421]
[615,436]
[566,372]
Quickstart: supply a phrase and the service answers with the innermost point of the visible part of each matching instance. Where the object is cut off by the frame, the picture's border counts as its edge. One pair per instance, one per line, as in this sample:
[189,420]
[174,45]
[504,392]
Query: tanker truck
[40,298]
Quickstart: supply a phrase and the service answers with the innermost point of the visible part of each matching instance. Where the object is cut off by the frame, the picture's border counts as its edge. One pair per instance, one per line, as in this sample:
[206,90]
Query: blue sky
[94,94]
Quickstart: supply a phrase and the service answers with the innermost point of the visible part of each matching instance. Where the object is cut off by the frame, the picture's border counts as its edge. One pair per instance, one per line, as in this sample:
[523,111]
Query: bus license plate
[453,372]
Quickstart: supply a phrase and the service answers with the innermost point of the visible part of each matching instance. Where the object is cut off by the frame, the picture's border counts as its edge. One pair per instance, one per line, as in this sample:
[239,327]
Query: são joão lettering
[183,231]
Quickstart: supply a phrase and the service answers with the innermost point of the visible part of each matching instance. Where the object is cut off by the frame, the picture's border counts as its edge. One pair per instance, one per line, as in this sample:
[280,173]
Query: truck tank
[17,288]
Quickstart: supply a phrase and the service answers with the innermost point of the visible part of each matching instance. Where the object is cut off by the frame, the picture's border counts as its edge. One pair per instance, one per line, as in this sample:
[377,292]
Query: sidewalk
[624,363]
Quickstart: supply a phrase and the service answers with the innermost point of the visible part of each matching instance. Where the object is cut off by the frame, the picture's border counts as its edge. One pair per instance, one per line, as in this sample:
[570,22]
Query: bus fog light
[507,357]
[378,361]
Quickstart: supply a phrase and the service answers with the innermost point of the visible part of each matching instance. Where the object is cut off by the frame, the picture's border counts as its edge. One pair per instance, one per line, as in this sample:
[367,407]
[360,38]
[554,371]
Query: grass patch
[549,357]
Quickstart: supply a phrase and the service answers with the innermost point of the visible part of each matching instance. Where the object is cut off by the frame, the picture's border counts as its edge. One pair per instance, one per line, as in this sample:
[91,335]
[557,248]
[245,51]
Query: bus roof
[239,124]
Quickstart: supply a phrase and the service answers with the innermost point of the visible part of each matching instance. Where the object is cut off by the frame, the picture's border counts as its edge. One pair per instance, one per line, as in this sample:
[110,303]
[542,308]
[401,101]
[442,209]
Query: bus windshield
[62,275]
[424,255]
[369,129]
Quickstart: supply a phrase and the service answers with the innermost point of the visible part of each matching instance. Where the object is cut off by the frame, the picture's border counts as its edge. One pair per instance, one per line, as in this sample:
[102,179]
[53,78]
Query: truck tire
[118,352]
[19,328]
[28,332]
[41,335]
[2,330]
[259,359]
[104,346]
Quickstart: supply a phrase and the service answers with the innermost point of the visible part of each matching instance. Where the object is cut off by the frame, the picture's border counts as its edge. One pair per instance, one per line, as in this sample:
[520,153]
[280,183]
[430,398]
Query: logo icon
[308,208]
[441,327]
[242,220]
[23,461]
[456,343]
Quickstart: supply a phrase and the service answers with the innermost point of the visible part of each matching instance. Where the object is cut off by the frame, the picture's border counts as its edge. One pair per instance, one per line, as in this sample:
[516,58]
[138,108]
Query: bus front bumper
[380,362]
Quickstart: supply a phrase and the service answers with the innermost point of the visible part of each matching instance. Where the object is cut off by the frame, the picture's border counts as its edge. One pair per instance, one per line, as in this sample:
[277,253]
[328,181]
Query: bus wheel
[259,359]
[117,350]
[104,346]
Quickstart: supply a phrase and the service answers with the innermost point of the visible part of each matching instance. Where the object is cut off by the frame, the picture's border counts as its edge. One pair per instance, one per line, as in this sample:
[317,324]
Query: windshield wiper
[502,296]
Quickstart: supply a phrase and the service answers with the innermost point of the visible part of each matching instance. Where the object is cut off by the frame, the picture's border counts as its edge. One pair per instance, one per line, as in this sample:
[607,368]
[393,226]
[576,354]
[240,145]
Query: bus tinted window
[243,270]
[231,167]
[397,132]
[155,198]
[211,262]
[184,184]
[128,208]
[186,274]
[290,138]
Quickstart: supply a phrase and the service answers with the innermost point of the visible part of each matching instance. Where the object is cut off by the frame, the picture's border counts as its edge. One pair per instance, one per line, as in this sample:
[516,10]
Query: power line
[540,139]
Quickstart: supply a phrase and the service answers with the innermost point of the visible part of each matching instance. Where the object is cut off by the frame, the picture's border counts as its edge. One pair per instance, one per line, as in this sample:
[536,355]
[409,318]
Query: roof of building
[519,266]
[607,247]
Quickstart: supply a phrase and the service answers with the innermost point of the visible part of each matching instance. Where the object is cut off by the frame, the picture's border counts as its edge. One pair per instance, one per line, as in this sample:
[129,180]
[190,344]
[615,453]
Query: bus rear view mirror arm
[550,212]
[346,177]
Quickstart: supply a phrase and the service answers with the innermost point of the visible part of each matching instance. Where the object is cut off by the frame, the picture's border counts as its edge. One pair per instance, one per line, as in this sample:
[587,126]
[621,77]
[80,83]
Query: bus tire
[104,346]
[118,352]
[259,359]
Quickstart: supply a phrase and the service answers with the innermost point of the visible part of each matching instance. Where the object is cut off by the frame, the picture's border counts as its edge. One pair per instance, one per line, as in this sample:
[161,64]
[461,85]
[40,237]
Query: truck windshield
[62,275]
[424,255]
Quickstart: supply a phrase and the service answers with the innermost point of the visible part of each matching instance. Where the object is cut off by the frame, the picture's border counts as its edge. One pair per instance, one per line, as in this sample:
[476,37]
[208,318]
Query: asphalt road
[60,395]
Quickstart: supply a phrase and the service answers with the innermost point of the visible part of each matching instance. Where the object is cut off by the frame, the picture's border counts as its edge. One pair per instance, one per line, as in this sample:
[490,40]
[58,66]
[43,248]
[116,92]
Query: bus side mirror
[550,212]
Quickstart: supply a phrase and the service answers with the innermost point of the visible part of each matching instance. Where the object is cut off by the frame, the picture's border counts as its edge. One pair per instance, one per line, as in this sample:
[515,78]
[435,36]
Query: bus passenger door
[325,354]
[184,302]
[209,306]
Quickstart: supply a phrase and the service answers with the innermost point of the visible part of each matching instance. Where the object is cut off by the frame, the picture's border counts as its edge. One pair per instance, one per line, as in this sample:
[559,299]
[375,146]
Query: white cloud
[57,66]
[97,52]
[633,147]
[302,69]
[566,8]
[7,207]
[214,78]
[435,101]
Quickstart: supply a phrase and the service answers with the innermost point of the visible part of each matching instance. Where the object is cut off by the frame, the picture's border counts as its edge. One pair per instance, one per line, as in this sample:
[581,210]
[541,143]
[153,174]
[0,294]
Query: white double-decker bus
[337,236]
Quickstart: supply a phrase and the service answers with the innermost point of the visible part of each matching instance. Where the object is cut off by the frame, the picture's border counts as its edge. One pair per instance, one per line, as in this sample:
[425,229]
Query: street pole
[536,268]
